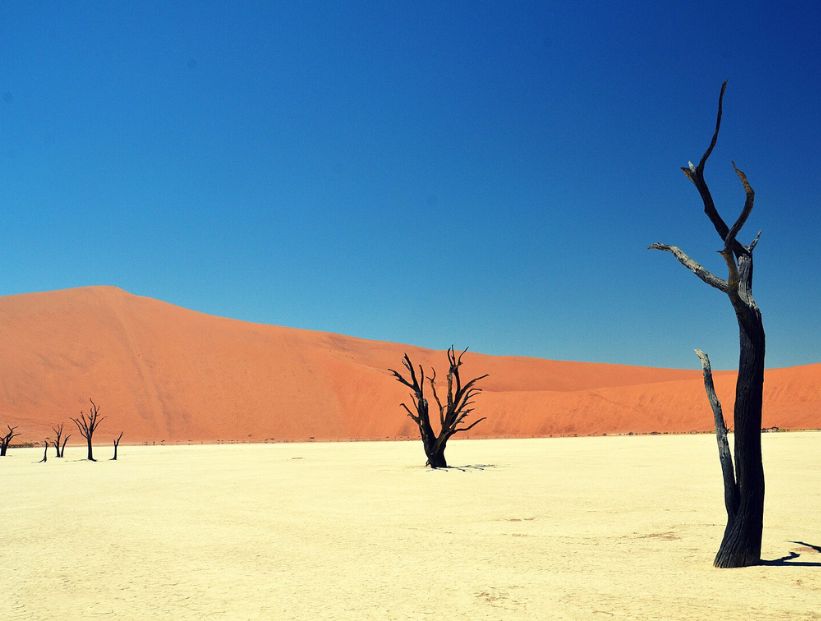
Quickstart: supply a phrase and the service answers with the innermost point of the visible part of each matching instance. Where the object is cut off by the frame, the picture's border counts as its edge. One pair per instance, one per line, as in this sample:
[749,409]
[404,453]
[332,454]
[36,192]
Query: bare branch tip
[754,243]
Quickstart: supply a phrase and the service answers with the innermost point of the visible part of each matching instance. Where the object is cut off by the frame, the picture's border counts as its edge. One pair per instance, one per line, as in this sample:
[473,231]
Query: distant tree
[5,440]
[45,451]
[58,433]
[87,424]
[452,413]
[744,493]
[116,445]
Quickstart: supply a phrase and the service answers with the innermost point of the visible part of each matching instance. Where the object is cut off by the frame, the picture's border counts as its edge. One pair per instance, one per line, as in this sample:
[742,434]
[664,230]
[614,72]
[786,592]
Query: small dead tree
[87,424]
[452,413]
[6,439]
[116,445]
[741,544]
[45,452]
[60,448]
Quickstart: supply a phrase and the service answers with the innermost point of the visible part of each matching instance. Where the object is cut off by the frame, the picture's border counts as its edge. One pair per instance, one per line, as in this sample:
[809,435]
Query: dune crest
[165,373]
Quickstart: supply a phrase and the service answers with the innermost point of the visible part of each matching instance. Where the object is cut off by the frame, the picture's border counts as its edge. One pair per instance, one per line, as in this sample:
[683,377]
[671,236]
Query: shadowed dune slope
[163,373]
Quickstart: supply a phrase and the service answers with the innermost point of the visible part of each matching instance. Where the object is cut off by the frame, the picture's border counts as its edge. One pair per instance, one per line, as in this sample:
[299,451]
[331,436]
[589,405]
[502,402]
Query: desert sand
[162,373]
[564,528]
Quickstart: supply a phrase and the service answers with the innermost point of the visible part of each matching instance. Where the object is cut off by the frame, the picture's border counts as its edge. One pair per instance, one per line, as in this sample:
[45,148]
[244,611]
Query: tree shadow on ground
[466,467]
[789,559]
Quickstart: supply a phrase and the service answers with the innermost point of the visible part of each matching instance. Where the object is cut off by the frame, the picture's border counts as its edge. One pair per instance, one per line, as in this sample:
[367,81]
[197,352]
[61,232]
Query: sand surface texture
[164,373]
[566,528]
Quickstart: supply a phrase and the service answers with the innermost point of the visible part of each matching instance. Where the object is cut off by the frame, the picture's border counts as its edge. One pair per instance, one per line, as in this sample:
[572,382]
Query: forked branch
[696,175]
[117,445]
[417,389]
[59,446]
[459,398]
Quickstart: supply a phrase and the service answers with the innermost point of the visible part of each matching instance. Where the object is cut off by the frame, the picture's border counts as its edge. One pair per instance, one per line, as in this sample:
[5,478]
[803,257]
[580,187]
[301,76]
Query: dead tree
[452,413]
[88,425]
[5,440]
[45,452]
[58,433]
[116,445]
[741,544]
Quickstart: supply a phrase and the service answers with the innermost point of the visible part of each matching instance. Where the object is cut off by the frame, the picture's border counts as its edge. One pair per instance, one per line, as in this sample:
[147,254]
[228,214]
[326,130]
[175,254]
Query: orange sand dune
[163,373]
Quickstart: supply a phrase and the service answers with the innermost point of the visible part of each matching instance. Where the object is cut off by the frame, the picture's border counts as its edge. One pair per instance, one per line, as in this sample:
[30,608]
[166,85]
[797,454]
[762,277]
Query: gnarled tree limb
[697,269]
[724,455]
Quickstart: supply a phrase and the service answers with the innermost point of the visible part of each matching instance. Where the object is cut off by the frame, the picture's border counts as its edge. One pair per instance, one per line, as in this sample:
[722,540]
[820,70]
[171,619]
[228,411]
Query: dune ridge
[164,373]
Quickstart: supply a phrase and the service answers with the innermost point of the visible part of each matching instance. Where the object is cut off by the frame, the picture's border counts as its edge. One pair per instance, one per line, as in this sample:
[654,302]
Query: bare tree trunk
[436,458]
[741,544]
[63,448]
[116,445]
[45,452]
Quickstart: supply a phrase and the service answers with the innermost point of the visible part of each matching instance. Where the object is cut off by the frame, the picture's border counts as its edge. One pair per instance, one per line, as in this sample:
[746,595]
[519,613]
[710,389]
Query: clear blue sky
[480,173]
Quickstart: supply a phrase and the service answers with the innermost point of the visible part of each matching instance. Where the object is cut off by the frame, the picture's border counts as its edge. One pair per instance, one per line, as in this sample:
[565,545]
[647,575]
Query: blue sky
[479,173]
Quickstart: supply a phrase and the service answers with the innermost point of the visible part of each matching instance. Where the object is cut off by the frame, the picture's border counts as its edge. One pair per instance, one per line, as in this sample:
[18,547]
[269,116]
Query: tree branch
[697,269]
[754,243]
[471,426]
[696,175]
[745,212]
[714,140]
[432,381]
[724,455]
[399,378]
[732,268]
[415,418]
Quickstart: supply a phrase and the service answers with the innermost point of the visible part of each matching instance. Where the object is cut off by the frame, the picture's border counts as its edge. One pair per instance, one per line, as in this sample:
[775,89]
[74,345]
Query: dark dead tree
[116,445]
[60,448]
[5,440]
[45,452]
[452,413]
[87,424]
[741,544]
